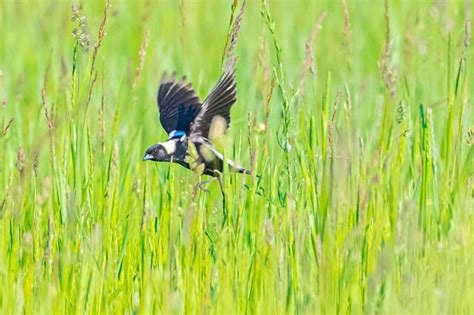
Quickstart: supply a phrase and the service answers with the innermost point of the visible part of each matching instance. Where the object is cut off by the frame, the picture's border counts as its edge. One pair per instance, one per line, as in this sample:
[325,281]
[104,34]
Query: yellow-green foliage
[356,116]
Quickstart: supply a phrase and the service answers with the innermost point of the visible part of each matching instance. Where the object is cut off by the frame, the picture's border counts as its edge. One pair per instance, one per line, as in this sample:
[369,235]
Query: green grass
[366,198]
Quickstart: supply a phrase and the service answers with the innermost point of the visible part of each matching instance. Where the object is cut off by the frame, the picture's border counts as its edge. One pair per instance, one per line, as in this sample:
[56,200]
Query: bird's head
[157,153]
[162,152]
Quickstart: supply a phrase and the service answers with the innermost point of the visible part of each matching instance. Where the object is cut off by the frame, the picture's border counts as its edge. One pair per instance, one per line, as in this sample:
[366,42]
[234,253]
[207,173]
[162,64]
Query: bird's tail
[244,171]
[239,169]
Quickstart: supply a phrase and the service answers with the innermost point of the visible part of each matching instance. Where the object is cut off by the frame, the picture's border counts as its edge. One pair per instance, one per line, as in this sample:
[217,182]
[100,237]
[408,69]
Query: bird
[189,123]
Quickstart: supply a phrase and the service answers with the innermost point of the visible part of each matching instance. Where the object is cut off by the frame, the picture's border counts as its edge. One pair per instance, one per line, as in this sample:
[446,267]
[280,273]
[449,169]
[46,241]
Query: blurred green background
[370,211]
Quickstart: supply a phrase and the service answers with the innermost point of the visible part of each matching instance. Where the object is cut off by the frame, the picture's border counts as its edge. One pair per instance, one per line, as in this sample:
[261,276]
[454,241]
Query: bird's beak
[147,157]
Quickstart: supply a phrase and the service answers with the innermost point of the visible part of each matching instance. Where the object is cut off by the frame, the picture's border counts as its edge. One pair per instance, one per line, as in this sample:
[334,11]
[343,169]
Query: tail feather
[243,171]
[237,168]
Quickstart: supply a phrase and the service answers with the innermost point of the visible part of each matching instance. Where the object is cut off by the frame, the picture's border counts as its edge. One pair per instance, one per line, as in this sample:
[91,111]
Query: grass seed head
[308,63]
[470,137]
[20,160]
[36,164]
[80,32]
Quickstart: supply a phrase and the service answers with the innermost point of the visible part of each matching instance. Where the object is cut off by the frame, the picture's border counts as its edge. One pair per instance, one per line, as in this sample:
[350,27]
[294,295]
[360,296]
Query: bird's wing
[218,103]
[177,103]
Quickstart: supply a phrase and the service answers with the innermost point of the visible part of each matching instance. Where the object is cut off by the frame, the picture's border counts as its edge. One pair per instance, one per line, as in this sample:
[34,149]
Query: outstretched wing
[177,103]
[218,103]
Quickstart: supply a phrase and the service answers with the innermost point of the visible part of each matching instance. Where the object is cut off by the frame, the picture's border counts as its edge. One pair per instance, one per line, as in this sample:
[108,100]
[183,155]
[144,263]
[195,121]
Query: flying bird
[189,123]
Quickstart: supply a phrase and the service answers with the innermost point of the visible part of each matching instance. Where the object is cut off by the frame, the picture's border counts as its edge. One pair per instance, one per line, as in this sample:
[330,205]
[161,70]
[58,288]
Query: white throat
[170,146]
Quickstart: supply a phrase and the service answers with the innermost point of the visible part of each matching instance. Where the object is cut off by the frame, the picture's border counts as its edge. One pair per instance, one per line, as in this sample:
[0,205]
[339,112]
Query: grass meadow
[357,116]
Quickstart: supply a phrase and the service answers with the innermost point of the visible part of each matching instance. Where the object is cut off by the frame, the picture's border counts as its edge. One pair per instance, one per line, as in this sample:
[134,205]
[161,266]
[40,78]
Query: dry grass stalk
[20,161]
[182,11]
[467,25]
[47,111]
[251,126]
[8,187]
[266,103]
[347,102]
[101,34]
[388,71]
[233,36]
[308,63]
[141,54]
[266,85]
[49,115]
[231,21]
[36,164]
[331,124]
[143,47]
[101,129]
[91,88]
[261,58]
[47,256]
[147,13]
[100,38]
[347,29]
[182,15]
[7,128]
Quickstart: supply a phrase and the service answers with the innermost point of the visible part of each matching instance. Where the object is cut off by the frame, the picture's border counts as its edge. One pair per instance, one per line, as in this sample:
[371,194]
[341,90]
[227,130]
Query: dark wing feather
[218,103]
[177,103]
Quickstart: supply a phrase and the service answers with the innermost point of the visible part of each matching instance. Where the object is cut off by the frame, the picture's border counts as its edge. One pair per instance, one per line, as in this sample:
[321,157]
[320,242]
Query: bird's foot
[201,184]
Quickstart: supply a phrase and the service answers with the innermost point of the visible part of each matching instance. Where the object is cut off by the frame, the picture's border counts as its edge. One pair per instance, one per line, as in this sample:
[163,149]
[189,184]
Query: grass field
[358,115]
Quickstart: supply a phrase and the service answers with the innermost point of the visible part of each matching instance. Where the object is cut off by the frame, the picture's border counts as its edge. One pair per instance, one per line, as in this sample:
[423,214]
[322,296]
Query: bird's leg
[224,206]
[201,184]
